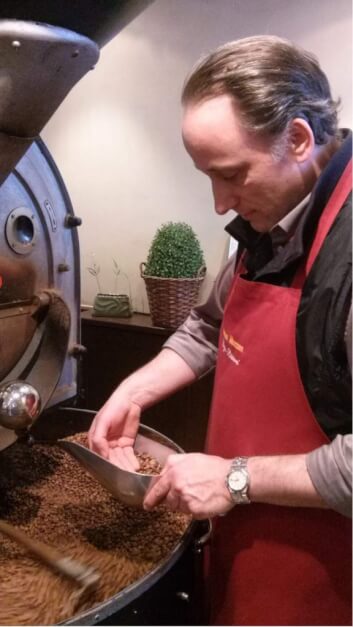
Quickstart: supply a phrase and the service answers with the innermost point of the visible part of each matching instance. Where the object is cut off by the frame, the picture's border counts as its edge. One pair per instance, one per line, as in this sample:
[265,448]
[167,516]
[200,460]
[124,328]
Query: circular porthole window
[21,230]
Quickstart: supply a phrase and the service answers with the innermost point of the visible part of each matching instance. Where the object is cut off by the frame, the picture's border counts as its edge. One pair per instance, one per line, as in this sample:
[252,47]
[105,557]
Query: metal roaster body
[44,51]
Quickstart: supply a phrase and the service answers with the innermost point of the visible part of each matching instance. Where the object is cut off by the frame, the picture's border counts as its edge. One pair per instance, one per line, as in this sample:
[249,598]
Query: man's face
[245,174]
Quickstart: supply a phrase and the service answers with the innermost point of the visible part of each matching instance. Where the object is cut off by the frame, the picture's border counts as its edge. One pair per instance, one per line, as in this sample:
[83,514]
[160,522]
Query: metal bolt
[76,350]
[72,221]
[63,267]
[183,596]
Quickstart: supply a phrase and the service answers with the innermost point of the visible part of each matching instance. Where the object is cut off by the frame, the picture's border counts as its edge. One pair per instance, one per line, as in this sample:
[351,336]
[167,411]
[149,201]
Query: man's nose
[224,197]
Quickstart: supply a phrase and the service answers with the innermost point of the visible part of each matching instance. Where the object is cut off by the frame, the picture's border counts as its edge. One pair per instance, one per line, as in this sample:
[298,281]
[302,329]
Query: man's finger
[131,458]
[173,501]
[98,445]
[90,433]
[157,493]
[97,437]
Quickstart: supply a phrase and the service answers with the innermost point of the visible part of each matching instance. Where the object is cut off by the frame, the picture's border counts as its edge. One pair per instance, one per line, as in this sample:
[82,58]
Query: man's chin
[258,226]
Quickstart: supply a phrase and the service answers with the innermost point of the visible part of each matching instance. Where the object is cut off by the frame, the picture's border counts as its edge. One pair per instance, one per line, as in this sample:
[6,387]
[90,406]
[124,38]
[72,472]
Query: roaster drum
[40,274]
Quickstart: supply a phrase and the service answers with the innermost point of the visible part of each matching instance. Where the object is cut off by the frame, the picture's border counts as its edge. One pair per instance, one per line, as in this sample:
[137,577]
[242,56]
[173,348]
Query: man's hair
[271,80]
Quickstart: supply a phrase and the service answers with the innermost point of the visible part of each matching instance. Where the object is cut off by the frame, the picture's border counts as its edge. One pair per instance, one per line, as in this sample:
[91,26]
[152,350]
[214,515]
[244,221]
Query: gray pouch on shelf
[112,306]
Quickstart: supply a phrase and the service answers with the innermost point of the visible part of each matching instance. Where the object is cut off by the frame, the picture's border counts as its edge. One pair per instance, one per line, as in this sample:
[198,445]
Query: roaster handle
[203,540]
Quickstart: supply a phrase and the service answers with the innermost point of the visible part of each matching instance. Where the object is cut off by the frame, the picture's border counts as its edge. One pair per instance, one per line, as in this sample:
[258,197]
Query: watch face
[237,480]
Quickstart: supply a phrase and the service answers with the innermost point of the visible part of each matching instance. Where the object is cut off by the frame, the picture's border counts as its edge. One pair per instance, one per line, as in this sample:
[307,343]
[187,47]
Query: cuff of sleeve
[329,469]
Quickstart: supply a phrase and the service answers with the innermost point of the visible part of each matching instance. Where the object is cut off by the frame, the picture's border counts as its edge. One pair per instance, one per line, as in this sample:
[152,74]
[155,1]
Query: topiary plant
[175,252]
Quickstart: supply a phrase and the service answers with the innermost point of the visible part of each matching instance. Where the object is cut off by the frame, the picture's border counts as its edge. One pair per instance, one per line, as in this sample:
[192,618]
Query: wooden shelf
[138,322]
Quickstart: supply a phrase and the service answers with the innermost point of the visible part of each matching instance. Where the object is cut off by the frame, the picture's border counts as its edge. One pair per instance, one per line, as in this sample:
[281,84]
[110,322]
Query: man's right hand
[114,429]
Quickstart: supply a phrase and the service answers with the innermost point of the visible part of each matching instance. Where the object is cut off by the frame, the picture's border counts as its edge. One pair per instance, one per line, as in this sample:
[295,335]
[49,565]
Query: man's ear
[301,140]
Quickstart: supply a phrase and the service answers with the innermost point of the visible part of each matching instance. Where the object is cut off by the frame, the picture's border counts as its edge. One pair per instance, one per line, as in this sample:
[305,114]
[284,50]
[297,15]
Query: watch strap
[240,497]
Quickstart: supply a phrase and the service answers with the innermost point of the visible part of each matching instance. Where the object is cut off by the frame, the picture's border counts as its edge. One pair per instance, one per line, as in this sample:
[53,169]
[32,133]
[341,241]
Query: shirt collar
[282,231]
[289,221]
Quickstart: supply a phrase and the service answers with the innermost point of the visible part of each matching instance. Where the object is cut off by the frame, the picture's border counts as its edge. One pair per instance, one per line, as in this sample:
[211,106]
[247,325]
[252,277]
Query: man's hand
[113,431]
[194,484]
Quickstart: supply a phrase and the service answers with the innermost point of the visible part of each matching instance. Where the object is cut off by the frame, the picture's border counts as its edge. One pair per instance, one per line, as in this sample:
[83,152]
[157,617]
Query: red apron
[271,565]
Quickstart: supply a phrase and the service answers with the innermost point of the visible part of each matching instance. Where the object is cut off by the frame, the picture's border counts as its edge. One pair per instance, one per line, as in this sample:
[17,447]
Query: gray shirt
[196,341]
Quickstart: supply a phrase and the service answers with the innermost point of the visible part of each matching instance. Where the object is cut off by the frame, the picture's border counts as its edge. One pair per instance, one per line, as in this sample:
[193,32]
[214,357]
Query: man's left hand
[194,484]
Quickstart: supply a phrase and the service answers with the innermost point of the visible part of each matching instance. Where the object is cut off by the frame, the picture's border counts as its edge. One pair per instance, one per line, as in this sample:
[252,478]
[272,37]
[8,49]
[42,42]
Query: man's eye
[229,176]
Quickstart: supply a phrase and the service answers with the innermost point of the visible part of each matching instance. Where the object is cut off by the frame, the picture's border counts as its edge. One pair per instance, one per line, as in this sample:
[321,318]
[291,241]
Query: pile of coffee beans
[47,494]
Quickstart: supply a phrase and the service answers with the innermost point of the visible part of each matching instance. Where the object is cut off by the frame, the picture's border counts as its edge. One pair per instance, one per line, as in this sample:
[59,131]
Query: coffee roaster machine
[45,49]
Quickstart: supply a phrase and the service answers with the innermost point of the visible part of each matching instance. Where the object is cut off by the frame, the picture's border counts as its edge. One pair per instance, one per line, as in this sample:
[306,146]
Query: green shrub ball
[175,252]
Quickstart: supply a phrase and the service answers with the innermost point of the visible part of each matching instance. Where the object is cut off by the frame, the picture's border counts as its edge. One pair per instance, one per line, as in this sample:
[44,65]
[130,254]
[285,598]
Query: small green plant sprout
[117,271]
[175,252]
[94,269]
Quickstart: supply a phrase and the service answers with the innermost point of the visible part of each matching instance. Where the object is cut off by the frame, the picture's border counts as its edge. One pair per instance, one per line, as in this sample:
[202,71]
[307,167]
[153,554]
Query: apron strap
[240,266]
[333,207]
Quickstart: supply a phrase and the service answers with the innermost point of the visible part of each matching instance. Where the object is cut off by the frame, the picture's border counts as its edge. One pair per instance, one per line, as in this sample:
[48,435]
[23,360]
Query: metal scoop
[127,486]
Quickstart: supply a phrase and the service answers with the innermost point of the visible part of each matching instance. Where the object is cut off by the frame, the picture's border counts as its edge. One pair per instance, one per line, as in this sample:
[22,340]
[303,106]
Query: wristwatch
[237,481]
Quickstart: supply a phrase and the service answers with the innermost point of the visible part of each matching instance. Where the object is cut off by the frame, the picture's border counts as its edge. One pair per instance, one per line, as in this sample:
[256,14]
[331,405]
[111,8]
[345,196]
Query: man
[260,121]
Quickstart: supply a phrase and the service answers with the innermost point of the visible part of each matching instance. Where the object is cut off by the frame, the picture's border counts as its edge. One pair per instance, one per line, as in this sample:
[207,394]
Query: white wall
[116,138]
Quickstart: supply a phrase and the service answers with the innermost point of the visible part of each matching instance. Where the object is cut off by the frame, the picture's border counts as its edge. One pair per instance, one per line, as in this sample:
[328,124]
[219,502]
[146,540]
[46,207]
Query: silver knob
[20,405]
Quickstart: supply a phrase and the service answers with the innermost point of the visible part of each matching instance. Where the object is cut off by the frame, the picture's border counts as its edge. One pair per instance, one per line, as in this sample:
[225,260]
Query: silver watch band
[239,462]
[238,481]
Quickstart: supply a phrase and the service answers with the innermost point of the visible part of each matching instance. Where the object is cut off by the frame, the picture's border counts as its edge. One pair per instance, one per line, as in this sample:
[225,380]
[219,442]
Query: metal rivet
[76,350]
[183,596]
[75,53]
[63,267]
[96,617]
[72,221]
[16,44]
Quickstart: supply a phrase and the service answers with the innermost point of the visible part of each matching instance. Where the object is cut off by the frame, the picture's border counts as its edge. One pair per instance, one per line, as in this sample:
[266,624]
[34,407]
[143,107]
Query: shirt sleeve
[196,340]
[330,469]
[348,338]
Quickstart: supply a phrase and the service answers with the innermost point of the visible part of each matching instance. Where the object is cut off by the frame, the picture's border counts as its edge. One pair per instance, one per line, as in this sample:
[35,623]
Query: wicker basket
[170,300]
